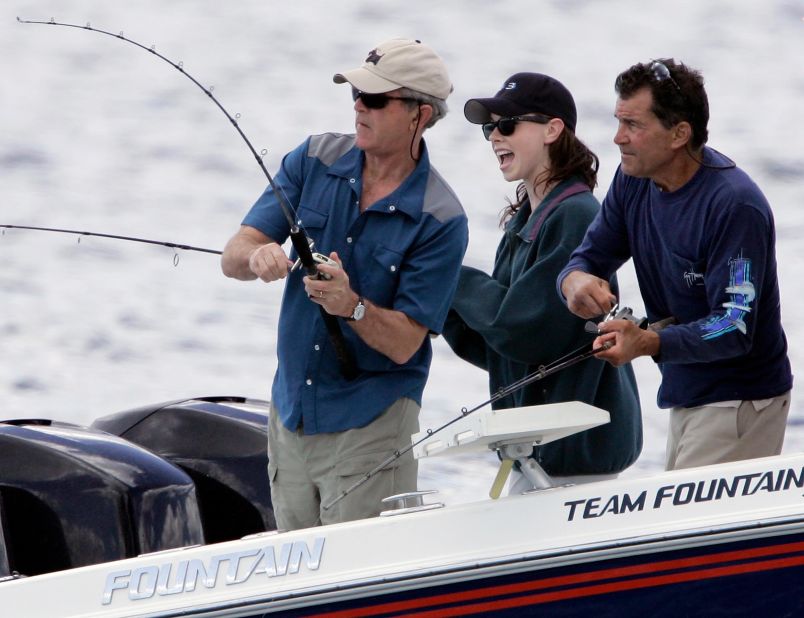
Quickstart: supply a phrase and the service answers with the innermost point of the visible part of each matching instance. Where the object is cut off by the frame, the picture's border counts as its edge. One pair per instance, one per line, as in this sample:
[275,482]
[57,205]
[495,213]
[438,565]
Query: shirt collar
[408,197]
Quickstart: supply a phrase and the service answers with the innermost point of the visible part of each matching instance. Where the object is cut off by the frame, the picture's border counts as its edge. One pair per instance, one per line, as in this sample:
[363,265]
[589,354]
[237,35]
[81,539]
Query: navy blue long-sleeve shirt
[704,254]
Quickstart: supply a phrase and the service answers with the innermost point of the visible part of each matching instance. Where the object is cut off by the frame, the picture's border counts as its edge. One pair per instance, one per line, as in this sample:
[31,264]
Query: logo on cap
[510,85]
[373,57]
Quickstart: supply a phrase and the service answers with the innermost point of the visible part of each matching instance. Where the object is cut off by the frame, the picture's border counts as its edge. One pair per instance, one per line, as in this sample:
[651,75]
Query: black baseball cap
[525,93]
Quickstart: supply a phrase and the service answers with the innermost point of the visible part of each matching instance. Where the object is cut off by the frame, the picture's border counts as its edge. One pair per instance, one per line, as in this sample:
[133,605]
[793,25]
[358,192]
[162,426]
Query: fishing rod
[79,233]
[179,66]
[581,354]
[568,360]
[298,236]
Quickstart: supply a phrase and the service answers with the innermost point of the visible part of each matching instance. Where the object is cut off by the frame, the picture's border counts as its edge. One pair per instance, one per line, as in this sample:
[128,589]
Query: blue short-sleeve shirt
[403,253]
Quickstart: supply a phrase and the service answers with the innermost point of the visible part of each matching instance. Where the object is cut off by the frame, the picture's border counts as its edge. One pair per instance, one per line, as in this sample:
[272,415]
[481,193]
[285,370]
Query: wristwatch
[359,312]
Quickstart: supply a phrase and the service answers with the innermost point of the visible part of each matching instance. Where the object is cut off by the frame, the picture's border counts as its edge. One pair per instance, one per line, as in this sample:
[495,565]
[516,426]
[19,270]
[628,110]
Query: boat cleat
[409,502]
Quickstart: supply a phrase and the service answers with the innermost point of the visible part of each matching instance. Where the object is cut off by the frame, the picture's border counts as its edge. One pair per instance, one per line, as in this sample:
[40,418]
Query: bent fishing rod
[298,236]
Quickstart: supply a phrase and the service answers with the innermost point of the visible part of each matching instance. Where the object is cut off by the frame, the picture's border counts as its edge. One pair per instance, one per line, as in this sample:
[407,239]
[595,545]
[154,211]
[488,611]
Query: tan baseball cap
[400,63]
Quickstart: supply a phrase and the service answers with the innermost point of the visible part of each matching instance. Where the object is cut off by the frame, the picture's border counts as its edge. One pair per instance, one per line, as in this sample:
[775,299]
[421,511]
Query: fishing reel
[318,258]
[626,313]
[616,313]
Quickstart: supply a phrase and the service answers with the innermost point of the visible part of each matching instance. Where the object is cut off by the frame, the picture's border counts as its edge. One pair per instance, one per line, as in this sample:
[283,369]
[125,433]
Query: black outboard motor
[71,496]
[221,443]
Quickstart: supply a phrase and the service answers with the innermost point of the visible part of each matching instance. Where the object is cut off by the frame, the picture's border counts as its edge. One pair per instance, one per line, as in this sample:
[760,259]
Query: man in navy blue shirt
[396,233]
[702,238]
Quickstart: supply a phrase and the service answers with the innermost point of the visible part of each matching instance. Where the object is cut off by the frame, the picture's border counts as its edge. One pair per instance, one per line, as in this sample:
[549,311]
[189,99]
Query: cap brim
[479,111]
[365,81]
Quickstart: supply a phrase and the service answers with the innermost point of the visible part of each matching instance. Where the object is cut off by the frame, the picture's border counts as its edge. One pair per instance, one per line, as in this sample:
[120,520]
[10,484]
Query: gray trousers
[715,434]
[309,471]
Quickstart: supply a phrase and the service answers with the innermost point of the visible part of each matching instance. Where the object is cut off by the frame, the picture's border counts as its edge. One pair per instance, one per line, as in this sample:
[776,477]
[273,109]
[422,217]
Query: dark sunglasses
[376,101]
[661,73]
[506,126]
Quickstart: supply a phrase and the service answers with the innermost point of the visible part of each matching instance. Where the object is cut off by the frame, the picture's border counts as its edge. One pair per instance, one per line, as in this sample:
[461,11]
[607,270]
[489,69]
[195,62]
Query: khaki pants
[713,434]
[308,471]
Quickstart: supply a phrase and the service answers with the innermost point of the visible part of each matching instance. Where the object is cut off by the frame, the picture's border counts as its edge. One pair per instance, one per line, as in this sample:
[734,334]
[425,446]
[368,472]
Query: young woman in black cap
[513,321]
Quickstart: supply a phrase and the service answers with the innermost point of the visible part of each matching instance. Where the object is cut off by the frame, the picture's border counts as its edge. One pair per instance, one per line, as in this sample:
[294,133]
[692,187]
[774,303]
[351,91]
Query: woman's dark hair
[569,157]
[678,94]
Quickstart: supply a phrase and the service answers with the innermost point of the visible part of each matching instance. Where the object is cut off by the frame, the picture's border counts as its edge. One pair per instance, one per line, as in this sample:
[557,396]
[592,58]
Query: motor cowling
[72,496]
[221,443]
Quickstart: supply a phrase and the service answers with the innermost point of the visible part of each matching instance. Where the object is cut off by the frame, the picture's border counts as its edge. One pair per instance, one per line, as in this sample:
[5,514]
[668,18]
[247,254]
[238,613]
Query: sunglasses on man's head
[661,73]
[506,126]
[376,101]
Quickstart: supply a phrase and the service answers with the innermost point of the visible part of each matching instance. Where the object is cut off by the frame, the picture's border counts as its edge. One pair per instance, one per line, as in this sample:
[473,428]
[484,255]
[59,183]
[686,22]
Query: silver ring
[320,294]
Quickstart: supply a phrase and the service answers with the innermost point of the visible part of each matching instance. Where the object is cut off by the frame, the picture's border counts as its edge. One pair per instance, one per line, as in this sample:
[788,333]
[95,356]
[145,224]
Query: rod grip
[299,240]
[345,359]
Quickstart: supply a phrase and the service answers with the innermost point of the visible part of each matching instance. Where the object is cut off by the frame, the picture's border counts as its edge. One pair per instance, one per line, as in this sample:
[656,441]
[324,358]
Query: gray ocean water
[98,135]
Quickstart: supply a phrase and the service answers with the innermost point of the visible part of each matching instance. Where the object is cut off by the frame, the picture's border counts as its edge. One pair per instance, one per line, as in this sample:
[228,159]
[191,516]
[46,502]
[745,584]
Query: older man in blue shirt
[396,234]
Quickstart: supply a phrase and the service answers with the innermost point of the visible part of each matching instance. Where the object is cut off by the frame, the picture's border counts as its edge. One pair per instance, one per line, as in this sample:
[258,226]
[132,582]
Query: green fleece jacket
[513,321]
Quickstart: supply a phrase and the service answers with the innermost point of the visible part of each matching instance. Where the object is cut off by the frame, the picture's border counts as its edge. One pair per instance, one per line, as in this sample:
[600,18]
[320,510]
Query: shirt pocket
[382,276]
[313,221]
